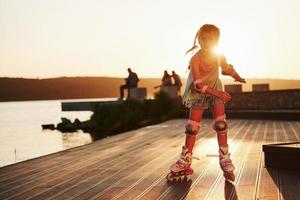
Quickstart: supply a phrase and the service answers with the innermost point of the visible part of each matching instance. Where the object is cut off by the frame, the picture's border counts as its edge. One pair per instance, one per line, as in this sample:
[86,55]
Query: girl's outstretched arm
[227,69]
[200,86]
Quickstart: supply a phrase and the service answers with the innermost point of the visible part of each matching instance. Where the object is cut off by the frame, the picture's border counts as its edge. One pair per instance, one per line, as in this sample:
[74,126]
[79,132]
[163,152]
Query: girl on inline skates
[204,89]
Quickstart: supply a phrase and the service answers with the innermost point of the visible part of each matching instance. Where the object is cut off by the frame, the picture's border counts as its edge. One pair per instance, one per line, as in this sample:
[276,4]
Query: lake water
[21,134]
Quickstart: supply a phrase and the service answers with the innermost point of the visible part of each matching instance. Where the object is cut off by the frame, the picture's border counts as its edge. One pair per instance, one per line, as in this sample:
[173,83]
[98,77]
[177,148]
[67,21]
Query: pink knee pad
[192,127]
[219,124]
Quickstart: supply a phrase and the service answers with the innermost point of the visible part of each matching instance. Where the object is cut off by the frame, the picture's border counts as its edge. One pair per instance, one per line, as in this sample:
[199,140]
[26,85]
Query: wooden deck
[133,165]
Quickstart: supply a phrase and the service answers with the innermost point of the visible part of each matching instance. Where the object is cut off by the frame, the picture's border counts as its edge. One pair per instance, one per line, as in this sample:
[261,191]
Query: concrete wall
[279,99]
[260,87]
[234,88]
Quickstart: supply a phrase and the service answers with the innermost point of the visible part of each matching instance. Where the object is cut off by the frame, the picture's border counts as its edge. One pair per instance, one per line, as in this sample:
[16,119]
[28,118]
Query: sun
[217,50]
[236,53]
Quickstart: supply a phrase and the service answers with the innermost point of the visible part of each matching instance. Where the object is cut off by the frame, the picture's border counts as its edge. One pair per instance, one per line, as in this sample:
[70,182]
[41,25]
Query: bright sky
[50,38]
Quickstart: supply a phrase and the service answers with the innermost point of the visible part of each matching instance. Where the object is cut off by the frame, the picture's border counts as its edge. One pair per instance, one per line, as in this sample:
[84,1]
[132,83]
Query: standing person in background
[130,82]
[177,81]
[166,80]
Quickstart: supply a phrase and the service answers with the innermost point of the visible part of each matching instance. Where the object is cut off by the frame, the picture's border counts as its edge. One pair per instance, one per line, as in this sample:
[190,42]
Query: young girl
[204,89]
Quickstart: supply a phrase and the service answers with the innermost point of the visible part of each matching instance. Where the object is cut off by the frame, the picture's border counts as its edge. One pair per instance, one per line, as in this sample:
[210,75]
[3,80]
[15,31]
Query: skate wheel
[170,177]
[189,171]
[184,179]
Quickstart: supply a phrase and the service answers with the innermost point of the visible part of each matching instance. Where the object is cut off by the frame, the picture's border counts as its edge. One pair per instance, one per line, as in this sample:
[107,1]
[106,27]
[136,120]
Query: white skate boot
[182,167]
[226,163]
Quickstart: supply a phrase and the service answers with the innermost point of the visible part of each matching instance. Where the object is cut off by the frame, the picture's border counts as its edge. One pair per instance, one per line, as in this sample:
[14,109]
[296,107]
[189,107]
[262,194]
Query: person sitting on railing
[130,82]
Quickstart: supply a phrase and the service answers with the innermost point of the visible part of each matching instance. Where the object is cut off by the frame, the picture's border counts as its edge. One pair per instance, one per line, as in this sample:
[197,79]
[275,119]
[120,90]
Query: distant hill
[19,89]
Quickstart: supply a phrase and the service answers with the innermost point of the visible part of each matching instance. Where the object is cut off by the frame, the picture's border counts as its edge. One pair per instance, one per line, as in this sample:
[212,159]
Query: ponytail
[205,28]
[194,44]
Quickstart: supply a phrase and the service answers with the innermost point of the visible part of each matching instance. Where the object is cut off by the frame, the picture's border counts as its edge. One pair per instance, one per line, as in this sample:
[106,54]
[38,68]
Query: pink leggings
[196,114]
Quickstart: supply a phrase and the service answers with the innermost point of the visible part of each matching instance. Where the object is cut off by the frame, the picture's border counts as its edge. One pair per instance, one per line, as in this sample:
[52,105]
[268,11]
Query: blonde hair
[206,28]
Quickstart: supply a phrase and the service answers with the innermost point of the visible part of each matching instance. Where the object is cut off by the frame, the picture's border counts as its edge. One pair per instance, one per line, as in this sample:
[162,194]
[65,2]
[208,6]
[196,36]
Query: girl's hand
[224,96]
[239,79]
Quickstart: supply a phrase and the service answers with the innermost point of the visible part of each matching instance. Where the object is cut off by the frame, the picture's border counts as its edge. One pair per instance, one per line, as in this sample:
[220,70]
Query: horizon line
[56,77]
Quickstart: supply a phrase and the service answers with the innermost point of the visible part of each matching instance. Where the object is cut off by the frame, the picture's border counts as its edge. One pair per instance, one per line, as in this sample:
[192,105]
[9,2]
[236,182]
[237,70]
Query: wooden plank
[158,176]
[49,161]
[239,155]
[288,179]
[267,186]
[135,168]
[205,174]
[93,150]
[166,189]
[78,169]
[212,172]
[89,155]
[132,169]
[245,184]
[94,192]
[292,129]
[288,132]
